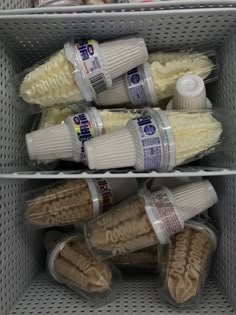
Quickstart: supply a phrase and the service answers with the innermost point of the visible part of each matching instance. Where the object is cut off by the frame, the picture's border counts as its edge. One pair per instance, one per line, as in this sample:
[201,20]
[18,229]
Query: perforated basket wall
[27,38]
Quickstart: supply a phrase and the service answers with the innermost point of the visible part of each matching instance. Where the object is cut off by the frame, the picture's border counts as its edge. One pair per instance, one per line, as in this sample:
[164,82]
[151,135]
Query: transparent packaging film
[145,260]
[79,71]
[54,116]
[161,140]
[185,264]
[69,262]
[147,219]
[74,201]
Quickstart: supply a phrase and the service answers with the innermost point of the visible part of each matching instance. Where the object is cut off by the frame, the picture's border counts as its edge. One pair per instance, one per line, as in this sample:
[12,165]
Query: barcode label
[167,213]
[98,82]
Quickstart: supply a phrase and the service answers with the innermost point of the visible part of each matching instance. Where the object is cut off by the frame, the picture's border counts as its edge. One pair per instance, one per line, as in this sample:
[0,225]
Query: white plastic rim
[96,118]
[208,105]
[212,191]
[80,78]
[150,85]
[29,141]
[160,232]
[54,252]
[95,196]
[164,127]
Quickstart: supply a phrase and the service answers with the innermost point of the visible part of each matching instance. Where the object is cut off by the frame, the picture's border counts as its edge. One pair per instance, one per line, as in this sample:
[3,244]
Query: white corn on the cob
[194,133]
[54,116]
[51,83]
[113,121]
[166,68]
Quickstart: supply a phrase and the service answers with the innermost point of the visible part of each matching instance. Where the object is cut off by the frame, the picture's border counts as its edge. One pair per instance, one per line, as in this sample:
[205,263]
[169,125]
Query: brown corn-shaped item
[128,228]
[186,263]
[75,264]
[66,203]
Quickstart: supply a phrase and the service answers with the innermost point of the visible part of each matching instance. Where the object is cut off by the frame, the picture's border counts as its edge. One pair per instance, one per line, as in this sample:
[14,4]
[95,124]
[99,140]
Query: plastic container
[156,80]
[190,94]
[146,260]
[185,264]
[160,140]
[66,141]
[80,71]
[147,219]
[70,263]
[75,201]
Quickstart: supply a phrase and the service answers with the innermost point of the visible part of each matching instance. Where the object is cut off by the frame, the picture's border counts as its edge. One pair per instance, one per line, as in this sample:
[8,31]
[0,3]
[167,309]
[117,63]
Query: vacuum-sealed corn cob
[75,201]
[160,140]
[185,263]
[147,219]
[69,262]
[80,70]
[156,79]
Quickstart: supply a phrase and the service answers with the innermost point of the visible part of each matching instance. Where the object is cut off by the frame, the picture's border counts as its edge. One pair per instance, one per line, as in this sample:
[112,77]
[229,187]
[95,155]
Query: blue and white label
[150,141]
[92,65]
[136,88]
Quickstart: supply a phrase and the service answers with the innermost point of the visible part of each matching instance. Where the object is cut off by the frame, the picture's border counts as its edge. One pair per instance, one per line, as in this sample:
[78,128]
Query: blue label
[151,142]
[84,129]
[85,49]
[149,130]
[135,87]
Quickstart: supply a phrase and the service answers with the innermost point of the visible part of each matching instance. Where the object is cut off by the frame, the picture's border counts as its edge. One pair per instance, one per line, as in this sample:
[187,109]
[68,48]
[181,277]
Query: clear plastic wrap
[161,140]
[145,259]
[156,79]
[54,116]
[66,141]
[185,264]
[70,263]
[79,71]
[75,201]
[147,219]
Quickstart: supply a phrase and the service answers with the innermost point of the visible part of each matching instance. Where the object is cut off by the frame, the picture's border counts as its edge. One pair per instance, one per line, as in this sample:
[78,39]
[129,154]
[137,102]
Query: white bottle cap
[190,93]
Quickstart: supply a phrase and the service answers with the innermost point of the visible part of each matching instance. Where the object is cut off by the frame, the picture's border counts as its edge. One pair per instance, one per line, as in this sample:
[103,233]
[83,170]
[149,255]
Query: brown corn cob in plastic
[75,265]
[66,203]
[127,229]
[51,83]
[186,263]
